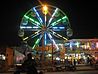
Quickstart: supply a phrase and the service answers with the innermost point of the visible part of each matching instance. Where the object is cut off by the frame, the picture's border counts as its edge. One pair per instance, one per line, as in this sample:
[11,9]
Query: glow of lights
[45,20]
[64,17]
[54,27]
[62,60]
[45,38]
[59,35]
[32,57]
[53,41]
[57,58]
[59,20]
[33,35]
[52,16]
[45,9]
[62,27]
[26,38]
[35,27]
[65,38]
[84,57]
[27,27]
[77,44]
[49,55]
[54,33]
[39,18]
[22,27]
[58,28]
[2,57]
[96,58]
[88,45]
[33,21]
[96,44]
[37,41]
[85,47]
[37,33]
[71,45]
[69,58]
[18,64]
[65,57]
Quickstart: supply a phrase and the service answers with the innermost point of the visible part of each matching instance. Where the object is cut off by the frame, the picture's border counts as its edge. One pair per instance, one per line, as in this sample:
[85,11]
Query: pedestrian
[74,62]
[29,65]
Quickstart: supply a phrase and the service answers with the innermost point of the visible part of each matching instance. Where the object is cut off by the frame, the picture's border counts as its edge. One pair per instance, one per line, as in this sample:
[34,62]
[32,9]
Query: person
[29,65]
[87,59]
[74,63]
[41,72]
[66,64]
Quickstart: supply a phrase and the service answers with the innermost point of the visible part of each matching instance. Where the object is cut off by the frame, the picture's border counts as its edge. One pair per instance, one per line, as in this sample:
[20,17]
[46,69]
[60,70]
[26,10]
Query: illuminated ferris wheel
[44,23]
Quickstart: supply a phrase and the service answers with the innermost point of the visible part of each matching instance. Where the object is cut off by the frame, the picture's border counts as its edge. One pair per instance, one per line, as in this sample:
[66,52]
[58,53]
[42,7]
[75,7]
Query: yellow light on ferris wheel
[45,9]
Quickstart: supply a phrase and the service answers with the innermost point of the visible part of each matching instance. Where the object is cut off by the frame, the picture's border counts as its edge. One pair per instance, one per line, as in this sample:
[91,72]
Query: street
[77,72]
[67,72]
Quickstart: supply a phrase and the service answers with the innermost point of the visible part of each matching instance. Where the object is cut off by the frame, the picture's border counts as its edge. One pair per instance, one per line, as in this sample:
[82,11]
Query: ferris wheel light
[25,38]
[45,9]
[45,23]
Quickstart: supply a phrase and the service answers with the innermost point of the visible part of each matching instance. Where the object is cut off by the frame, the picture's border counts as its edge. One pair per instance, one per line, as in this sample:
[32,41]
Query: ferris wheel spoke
[45,20]
[56,34]
[30,28]
[58,21]
[52,16]
[37,41]
[51,38]
[32,36]
[32,21]
[45,39]
[58,28]
[38,16]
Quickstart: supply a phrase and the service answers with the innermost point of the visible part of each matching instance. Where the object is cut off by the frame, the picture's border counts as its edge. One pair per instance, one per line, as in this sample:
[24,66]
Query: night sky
[82,14]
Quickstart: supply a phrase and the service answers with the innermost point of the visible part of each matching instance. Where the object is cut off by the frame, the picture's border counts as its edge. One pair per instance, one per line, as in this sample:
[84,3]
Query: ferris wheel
[44,23]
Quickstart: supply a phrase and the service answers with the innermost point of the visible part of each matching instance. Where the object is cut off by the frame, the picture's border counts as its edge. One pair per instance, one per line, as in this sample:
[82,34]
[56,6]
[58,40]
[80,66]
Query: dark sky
[82,14]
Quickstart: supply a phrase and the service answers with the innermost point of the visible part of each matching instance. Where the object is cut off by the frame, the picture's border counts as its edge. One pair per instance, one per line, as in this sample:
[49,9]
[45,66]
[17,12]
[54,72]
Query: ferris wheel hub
[44,28]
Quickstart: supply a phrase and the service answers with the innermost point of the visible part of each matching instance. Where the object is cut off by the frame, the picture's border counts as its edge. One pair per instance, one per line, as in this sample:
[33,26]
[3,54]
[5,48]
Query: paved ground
[76,72]
[82,69]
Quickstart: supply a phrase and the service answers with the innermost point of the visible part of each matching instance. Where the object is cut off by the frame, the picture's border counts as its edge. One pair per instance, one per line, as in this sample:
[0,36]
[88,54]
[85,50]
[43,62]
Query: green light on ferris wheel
[37,41]
[35,22]
[59,20]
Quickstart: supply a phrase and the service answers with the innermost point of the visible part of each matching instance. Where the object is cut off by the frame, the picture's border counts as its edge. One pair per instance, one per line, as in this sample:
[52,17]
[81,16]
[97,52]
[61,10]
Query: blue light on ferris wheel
[58,28]
[39,18]
[61,27]
[35,27]
[45,39]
